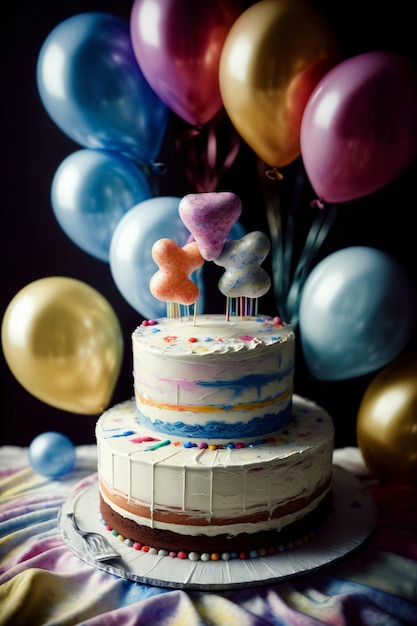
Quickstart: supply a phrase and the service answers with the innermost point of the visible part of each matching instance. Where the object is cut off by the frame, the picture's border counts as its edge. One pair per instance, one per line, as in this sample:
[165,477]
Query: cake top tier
[211,334]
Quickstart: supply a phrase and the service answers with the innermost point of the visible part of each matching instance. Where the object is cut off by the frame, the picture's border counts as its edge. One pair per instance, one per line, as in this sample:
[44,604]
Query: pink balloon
[177,44]
[359,127]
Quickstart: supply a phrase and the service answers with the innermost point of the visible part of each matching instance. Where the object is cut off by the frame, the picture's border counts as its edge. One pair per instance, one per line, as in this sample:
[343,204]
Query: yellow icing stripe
[248,406]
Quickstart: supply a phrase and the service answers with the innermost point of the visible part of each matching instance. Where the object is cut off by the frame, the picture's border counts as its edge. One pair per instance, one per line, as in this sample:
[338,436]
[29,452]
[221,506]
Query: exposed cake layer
[270,541]
[201,489]
[189,381]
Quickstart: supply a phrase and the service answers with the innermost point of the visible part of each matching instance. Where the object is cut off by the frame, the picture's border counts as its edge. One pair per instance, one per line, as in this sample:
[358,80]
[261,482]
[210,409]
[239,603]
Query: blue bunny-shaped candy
[242,260]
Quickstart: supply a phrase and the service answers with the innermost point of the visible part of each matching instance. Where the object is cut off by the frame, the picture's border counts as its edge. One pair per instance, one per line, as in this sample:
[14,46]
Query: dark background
[33,246]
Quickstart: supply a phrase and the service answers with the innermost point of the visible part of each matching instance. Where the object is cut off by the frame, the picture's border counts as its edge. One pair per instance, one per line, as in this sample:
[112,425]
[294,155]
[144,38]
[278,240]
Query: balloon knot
[158,168]
[317,203]
[274,174]
[191,132]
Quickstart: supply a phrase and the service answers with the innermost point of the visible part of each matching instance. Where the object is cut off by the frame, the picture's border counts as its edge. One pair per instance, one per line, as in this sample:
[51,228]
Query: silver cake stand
[352,521]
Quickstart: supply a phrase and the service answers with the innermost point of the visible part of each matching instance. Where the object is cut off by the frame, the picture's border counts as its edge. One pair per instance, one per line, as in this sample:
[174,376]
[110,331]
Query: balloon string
[274,219]
[211,149]
[199,149]
[282,228]
[289,236]
[231,154]
[151,171]
[317,234]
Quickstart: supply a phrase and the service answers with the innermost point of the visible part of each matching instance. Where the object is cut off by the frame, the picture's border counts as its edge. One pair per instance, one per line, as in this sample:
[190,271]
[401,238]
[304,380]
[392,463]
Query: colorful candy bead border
[217,556]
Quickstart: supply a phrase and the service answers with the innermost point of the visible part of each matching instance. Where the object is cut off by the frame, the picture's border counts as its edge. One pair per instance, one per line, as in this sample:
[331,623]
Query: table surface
[43,582]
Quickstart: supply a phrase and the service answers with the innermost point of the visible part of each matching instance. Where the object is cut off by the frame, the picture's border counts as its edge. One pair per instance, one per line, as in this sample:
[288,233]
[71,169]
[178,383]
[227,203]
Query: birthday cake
[215,456]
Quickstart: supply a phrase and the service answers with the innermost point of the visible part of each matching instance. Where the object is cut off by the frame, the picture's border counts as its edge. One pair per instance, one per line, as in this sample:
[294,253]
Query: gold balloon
[63,343]
[273,57]
[387,422]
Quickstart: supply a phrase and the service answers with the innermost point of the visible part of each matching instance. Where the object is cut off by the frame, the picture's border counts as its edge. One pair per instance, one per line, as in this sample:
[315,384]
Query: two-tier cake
[214,457]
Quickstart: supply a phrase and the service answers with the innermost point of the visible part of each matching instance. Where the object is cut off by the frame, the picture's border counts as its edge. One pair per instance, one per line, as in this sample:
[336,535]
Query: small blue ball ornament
[52,454]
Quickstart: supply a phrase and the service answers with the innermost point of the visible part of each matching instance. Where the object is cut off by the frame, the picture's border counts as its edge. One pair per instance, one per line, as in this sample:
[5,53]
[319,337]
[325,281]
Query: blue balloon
[91,191]
[131,262]
[52,454]
[357,312]
[93,89]
[238,231]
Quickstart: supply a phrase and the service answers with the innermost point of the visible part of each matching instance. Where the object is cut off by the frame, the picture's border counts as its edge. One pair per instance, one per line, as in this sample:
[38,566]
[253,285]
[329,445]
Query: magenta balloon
[359,127]
[177,44]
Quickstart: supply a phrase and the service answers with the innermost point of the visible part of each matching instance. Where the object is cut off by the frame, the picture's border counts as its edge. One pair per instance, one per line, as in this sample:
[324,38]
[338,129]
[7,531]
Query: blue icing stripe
[126,433]
[251,380]
[221,430]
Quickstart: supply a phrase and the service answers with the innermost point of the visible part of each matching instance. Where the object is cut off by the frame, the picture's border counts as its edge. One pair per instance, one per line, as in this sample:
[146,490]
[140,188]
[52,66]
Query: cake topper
[171,283]
[243,276]
[210,217]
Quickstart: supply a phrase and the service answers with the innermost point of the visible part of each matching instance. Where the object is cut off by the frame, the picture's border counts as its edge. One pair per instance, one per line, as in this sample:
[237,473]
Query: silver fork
[95,544]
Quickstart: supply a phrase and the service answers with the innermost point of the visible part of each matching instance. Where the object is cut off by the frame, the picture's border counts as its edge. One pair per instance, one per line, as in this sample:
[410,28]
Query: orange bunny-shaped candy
[171,283]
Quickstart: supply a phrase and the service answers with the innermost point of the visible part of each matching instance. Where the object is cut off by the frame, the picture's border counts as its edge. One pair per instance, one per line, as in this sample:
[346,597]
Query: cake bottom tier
[171,493]
[267,540]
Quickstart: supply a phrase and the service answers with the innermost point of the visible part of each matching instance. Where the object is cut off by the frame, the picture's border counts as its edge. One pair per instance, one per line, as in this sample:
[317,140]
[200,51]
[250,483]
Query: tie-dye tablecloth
[43,582]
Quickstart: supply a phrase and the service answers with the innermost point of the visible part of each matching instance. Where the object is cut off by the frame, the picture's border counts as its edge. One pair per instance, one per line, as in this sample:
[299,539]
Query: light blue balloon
[91,191]
[357,312]
[131,262]
[93,89]
[238,231]
[52,454]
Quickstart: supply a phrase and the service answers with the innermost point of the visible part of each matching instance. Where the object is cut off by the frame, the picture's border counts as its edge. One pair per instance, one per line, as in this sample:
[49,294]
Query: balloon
[359,128]
[91,191]
[273,57]
[387,421]
[177,44]
[91,86]
[357,312]
[63,343]
[131,262]
[52,454]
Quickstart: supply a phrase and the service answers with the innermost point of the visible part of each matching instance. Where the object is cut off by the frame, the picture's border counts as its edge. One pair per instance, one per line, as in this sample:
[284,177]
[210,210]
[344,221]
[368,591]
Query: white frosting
[189,381]
[144,480]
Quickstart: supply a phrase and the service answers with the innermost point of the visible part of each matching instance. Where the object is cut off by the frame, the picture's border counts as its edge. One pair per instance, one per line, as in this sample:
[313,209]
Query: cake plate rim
[352,521]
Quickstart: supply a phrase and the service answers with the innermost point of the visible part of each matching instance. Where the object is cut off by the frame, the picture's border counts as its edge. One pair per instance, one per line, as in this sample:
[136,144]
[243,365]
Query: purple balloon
[178,44]
[359,128]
